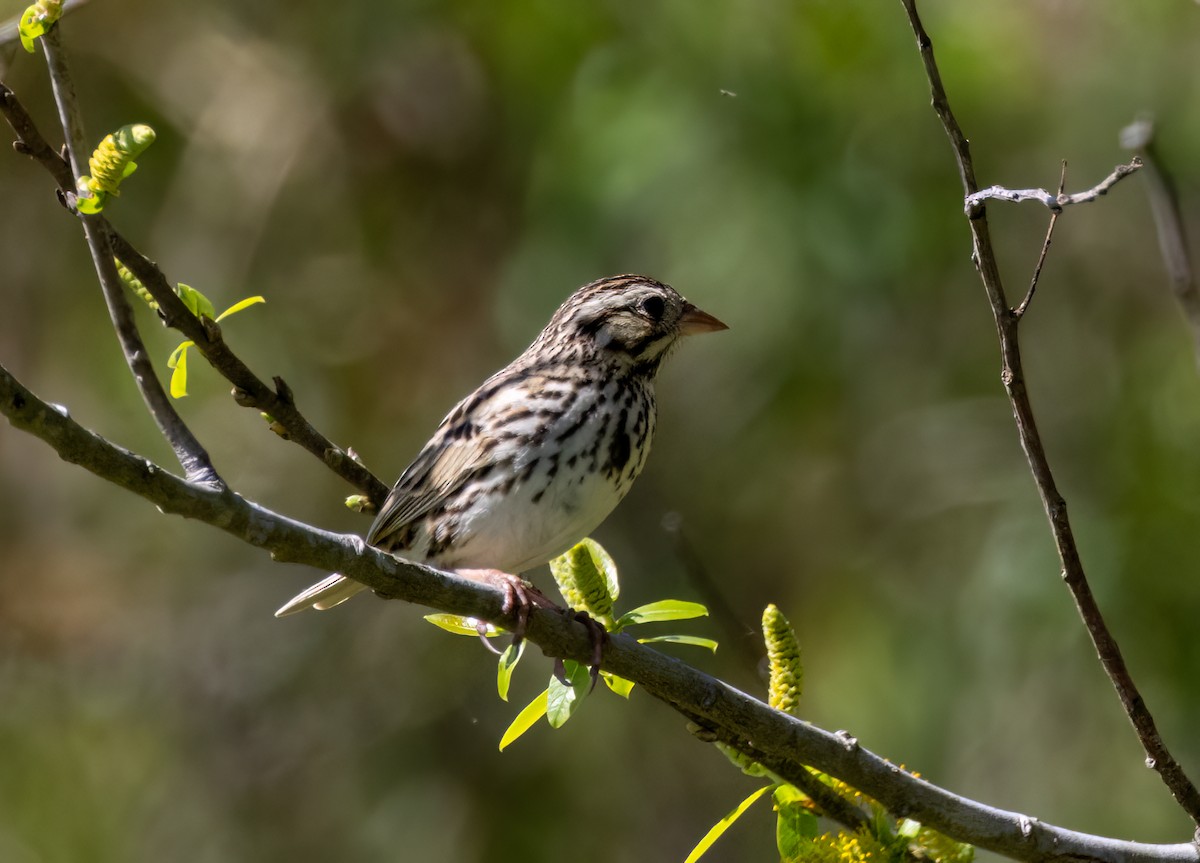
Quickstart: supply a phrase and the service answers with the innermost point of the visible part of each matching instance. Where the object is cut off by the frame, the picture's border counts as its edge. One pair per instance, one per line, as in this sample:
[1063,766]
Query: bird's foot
[520,597]
[597,637]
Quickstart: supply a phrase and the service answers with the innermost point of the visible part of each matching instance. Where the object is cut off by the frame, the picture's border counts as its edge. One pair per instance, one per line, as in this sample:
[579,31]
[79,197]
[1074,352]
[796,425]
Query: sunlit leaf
[508,663]
[721,826]
[533,711]
[619,685]
[91,203]
[237,307]
[694,640]
[563,701]
[36,20]
[198,304]
[587,578]
[460,625]
[178,362]
[665,609]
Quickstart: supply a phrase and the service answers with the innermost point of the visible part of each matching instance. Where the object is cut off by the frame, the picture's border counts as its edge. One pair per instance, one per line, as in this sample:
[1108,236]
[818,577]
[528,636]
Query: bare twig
[1020,310]
[974,200]
[1172,238]
[250,390]
[785,745]
[1012,375]
[193,458]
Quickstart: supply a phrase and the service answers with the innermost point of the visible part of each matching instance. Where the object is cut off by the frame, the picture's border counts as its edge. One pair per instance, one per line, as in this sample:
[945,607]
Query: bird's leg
[519,596]
[597,636]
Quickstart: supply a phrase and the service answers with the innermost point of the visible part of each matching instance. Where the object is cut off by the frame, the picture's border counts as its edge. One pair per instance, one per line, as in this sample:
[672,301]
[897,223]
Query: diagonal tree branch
[249,389]
[1012,375]
[192,456]
[785,745]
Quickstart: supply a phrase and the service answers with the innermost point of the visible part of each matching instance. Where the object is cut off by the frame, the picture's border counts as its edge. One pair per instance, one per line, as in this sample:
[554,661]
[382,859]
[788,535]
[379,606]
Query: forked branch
[1055,203]
[249,389]
[1012,375]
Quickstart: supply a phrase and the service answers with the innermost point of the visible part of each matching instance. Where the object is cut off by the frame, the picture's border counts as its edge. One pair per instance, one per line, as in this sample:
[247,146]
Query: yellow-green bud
[783,652]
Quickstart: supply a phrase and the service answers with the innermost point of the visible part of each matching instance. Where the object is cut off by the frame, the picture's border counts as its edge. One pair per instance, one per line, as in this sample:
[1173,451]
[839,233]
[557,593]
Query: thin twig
[975,200]
[785,745]
[193,458]
[1168,223]
[1012,375]
[250,390]
[1020,310]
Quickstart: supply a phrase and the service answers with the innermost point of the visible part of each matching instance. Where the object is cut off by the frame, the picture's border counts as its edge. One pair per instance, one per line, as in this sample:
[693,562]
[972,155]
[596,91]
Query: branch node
[848,740]
[283,391]
[243,398]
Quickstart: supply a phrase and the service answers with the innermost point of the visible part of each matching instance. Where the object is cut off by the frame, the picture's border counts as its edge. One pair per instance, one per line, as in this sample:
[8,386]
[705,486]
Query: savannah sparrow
[543,451]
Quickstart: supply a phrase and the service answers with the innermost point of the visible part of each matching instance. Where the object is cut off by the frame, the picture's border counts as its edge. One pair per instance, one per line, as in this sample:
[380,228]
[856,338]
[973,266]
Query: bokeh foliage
[414,186]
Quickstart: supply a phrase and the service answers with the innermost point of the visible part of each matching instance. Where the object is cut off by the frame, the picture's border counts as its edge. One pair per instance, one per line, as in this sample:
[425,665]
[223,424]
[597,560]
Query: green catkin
[783,652]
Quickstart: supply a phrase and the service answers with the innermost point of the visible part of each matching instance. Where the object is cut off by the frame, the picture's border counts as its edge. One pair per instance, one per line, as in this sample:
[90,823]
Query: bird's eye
[653,307]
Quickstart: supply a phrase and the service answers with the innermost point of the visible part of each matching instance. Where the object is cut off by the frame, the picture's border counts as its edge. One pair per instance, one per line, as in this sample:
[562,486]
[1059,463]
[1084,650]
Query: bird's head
[633,321]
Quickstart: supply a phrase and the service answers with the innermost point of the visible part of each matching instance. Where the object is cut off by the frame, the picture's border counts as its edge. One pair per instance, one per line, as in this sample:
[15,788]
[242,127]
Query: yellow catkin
[135,285]
[110,160]
[783,652]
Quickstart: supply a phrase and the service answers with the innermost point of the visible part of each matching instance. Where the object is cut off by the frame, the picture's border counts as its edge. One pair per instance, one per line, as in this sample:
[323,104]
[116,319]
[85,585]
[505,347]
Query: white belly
[564,490]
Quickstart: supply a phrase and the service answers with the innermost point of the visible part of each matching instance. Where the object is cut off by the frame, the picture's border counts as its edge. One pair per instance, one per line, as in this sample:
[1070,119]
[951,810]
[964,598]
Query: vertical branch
[192,456]
[1012,375]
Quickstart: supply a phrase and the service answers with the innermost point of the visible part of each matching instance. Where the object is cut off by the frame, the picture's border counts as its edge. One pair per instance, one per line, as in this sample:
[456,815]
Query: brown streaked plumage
[544,449]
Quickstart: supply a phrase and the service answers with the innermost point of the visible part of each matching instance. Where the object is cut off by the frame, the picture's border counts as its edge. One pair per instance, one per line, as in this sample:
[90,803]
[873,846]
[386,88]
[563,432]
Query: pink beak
[695,321]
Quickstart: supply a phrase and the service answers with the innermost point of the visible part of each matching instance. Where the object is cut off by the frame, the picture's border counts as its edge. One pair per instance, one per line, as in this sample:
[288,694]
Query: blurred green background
[415,186]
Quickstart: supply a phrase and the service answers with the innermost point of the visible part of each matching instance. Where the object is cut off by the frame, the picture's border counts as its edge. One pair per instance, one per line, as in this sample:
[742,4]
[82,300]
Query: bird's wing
[455,454]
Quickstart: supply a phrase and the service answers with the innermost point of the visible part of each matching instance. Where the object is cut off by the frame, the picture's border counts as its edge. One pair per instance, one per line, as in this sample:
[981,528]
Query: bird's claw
[597,637]
[520,597]
[481,627]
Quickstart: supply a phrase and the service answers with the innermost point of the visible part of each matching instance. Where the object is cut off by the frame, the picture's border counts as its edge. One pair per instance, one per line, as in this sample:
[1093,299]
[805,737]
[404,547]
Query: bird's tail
[325,594]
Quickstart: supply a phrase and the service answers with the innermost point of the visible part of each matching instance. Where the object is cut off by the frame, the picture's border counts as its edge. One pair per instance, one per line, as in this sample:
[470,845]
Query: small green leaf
[508,663]
[90,203]
[460,625]
[693,640]
[724,824]
[178,362]
[796,825]
[198,304]
[587,578]
[619,685]
[665,609]
[565,700]
[237,307]
[533,711]
[36,20]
